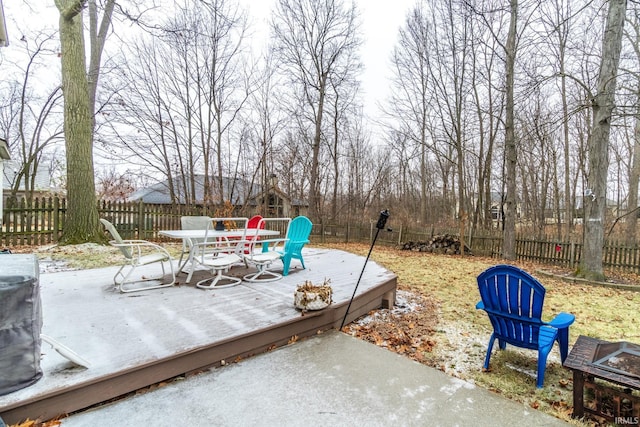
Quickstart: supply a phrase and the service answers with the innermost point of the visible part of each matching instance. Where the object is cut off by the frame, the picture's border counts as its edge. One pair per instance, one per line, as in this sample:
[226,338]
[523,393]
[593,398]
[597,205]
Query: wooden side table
[615,404]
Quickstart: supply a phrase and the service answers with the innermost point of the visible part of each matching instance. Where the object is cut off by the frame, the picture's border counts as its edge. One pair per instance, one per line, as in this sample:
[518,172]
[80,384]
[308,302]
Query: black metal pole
[382,220]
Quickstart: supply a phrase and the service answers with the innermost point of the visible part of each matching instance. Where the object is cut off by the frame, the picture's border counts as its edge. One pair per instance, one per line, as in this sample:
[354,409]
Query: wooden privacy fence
[41,222]
[32,223]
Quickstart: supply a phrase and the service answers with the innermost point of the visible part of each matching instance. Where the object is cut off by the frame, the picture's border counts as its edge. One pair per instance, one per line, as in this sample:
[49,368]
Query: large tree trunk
[598,144]
[81,224]
[509,233]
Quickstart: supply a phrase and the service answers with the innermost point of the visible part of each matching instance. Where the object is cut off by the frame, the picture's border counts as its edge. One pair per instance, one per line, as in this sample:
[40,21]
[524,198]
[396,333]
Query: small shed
[276,202]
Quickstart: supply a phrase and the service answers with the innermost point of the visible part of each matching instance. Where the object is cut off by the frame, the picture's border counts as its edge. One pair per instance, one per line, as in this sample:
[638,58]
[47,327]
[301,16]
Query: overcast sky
[381,20]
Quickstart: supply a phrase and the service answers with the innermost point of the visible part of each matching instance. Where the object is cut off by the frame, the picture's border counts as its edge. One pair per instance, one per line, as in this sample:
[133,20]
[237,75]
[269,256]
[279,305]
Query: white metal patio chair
[190,223]
[139,253]
[219,254]
[264,252]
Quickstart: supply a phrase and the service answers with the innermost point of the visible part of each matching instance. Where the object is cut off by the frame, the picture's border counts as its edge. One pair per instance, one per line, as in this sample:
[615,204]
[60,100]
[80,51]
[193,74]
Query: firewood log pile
[439,244]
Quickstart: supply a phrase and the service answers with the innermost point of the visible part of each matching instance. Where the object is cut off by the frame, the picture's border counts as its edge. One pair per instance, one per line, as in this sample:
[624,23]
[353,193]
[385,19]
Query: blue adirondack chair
[298,235]
[513,300]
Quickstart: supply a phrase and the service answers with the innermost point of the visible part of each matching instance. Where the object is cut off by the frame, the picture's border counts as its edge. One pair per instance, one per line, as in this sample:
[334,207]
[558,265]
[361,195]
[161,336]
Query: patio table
[233,234]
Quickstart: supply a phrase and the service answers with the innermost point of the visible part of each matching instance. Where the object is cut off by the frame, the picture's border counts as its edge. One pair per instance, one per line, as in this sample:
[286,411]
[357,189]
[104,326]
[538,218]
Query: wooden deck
[138,339]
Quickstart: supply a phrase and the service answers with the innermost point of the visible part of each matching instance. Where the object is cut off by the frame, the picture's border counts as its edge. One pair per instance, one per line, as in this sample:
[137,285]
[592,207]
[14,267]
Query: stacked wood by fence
[41,222]
[440,244]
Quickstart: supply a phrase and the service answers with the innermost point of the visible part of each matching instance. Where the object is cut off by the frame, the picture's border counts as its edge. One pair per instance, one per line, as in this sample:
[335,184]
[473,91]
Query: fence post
[141,234]
[400,235]
[56,219]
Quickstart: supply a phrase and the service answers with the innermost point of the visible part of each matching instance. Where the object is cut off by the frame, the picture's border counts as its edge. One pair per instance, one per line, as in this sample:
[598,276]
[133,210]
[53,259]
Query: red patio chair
[254,223]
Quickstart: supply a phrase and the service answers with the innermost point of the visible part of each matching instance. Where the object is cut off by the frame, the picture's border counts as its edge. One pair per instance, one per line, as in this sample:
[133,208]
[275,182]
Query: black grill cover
[20,322]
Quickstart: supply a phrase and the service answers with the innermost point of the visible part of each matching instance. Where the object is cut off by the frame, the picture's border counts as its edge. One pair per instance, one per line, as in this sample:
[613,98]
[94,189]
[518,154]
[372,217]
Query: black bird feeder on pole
[380,225]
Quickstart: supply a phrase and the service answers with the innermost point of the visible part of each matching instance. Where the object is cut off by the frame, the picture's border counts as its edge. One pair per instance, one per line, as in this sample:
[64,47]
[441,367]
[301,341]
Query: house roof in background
[234,190]
[243,192]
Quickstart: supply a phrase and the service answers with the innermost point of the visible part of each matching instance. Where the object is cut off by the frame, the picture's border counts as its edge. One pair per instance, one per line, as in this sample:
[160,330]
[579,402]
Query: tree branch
[69,11]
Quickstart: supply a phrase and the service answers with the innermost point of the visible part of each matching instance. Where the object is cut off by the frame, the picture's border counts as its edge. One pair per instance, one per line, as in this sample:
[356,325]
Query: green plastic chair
[297,236]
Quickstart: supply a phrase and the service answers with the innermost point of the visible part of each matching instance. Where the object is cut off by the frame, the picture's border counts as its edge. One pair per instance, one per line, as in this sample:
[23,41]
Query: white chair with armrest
[138,253]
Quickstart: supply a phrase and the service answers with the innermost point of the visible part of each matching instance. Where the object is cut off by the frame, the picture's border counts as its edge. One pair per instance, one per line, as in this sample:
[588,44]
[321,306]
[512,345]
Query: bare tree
[412,97]
[537,160]
[81,224]
[509,50]
[511,159]
[360,164]
[31,120]
[556,16]
[315,39]
[264,122]
[632,34]
[185,91]
[634,175]
[221,101]
[450,45]
[342,107]
[489,107]
[114,185]
[98,31]
[603,104]
[144,126]
[79,88]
